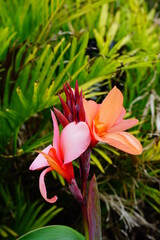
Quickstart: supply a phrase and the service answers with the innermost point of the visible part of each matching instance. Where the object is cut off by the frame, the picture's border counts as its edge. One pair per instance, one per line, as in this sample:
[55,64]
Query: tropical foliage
[102,44]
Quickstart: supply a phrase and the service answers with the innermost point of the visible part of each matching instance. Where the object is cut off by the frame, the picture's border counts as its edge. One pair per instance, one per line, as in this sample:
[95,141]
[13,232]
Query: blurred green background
[45,43]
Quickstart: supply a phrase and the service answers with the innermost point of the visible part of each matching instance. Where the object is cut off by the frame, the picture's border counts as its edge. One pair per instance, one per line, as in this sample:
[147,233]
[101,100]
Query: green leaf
[97,163]
[103,155]
[103,19]
[53,232]
[9,230]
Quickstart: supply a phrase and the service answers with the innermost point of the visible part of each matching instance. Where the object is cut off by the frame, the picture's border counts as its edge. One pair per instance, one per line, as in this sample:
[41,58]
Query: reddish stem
[85,167]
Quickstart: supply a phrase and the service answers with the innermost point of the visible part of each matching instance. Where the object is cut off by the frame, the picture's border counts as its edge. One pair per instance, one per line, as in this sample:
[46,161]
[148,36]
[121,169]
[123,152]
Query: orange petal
[111,108]
[123,125]
[123,112]
[91,109]
[68,168]
[123,141]
[54,163]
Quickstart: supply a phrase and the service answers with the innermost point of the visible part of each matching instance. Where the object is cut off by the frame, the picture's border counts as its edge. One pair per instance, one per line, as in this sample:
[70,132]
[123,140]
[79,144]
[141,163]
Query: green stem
[85,220]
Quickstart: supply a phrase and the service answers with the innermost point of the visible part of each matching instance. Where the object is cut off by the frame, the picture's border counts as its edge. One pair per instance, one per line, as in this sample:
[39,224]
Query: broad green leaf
[53,232]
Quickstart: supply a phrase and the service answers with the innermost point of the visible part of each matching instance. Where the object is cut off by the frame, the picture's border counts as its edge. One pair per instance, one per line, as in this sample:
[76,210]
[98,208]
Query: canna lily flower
[107,125]
[74,140]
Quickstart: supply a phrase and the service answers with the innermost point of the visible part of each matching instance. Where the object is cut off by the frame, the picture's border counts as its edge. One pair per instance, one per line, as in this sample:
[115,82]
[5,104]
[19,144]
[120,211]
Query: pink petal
[123,141]
[91,109]
[42,186]
[111,108]
[40,161]
[75,138]
[56,135]
[123,125]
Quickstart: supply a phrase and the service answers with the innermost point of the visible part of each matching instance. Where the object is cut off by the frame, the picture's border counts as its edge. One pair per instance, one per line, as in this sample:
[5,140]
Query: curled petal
[111,108]
[40,161]
[75,138]
[91,109]
[42,186]
[123,125]
[123,141]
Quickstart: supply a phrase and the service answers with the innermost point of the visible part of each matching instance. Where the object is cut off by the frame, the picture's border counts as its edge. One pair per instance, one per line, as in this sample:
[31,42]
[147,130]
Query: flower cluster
[85,123]
[73,110]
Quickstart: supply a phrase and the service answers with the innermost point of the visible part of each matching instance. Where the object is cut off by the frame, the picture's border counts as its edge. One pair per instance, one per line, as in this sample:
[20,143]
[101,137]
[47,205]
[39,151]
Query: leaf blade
[58,232]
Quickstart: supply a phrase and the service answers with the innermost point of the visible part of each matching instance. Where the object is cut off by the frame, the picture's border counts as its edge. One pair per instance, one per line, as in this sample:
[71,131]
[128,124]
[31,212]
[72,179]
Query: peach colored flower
[107,125]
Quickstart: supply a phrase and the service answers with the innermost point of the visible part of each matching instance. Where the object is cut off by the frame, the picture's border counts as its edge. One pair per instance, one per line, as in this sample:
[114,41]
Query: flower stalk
[84,170]
[85,220]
